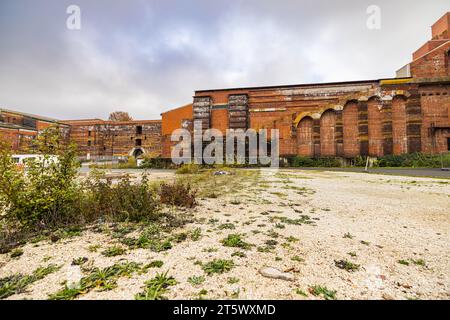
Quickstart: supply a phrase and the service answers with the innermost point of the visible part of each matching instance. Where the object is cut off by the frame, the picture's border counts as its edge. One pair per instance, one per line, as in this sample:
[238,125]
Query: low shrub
[178,194]
[191,168]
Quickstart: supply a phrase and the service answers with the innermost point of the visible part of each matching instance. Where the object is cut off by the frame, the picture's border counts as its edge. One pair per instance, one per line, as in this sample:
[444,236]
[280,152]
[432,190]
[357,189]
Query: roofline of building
[16,127]
[106,122]
[299,85]
[178,108]
[36,117]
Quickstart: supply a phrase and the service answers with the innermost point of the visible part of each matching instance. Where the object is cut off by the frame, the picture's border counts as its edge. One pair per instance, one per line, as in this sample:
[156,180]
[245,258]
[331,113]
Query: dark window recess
[29,122]
[138,142]
[139,130]
[89,143]
[89,133]
[448,144]
[104,148]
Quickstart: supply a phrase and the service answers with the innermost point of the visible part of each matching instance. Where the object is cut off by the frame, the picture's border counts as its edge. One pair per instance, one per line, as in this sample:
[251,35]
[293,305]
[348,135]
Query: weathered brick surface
[350,130]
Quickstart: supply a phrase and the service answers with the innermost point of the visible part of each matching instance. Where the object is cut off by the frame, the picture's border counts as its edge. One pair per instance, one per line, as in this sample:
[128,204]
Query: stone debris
[270,272]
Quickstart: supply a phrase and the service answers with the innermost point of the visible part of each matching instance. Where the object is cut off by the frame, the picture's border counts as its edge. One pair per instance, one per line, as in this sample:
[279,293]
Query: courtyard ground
[343,235]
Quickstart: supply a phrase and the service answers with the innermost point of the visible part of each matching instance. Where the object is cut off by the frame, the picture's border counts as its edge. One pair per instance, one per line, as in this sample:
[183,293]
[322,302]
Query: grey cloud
[148,56]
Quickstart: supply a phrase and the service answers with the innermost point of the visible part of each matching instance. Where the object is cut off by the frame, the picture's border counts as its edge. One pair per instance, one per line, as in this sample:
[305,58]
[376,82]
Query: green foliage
[46,194]
[16,253]
[156,287]
[101,279]
[346,265]
[415,160]
[323,291]
[17,283]
[113,251]
[196,234]
[298,161]
[235,241]
[196,280]
[218,266]
[188,169]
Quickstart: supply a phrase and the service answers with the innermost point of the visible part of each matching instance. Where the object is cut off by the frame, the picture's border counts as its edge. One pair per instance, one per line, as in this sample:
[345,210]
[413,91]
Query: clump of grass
[93,248]
[301,292]
[79,261]
[366,243]
[239,254]
[196,234]
[403,262]
[292,239]
[113,251]
[101,279]
[188,169]
[418,262]
[235,241]
[17,283]
[323,291]
[233,280]
[271,243]
[154,264]
[218,266]
[16,253]
[156,287]
[348,236]
[352,254]
[297,258]
[346,265]
[196,280]
[210,250]
[226,226]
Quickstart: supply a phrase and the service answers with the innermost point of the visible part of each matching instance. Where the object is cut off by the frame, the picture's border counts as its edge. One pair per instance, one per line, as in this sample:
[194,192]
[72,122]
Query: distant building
[98,138]
[20,129]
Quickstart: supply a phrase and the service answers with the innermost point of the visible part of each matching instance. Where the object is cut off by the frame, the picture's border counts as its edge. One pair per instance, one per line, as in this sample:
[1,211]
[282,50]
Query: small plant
[154,264]
[93,248]
[323,291]
[210,250]
[403,262]
[196,280]
[239,254]
[297,258]
[196,234]
[16,253]
[156,287]
[218,266]
[113,251]
[292,239]
[271,242]
[17,283]
[366,243]
[178,194]
[346,265]
[226,226]
[352,254]
[280,226]
[348,236]
[235,241]
[79,261]
[232,280]
[418,262]
[301,292]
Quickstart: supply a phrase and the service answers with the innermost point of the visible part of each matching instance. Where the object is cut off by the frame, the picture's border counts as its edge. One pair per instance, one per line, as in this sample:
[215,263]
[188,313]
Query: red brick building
[98,138]
[20,129]
[407,114]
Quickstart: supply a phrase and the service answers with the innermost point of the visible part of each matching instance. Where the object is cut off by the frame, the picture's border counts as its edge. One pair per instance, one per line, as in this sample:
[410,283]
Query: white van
[22,159]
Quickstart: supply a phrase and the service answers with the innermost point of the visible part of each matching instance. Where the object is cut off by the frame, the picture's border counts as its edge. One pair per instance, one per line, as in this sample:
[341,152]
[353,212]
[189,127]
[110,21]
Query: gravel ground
[373,221]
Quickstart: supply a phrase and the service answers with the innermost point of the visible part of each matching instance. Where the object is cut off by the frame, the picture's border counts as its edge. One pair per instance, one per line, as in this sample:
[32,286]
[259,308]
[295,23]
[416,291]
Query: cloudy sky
[146,56]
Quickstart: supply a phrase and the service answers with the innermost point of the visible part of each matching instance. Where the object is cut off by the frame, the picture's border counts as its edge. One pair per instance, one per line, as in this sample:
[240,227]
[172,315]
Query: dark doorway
[137,152]
[448,144]
[139,130]
[138,142]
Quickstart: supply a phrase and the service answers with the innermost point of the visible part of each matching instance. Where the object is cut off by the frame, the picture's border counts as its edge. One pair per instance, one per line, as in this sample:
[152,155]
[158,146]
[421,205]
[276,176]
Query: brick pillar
[386,127]
[339,134]
[363,128]
[238,111]
[414,122]
[316,137]
[202,111]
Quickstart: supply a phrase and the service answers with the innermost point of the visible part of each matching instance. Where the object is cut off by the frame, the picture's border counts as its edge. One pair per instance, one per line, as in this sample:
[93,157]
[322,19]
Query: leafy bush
[298,161]
[47,193]
[416,160]
[178,194]
[188,169]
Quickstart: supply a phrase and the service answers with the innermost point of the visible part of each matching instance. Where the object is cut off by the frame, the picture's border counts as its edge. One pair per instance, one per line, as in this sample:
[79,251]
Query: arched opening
[350,129]
[328,133]
[399,136]
[305,145]
[138,152]
[375,118]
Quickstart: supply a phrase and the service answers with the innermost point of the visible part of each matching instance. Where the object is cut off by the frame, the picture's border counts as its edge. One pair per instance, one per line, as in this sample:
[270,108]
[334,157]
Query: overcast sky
[146,56]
